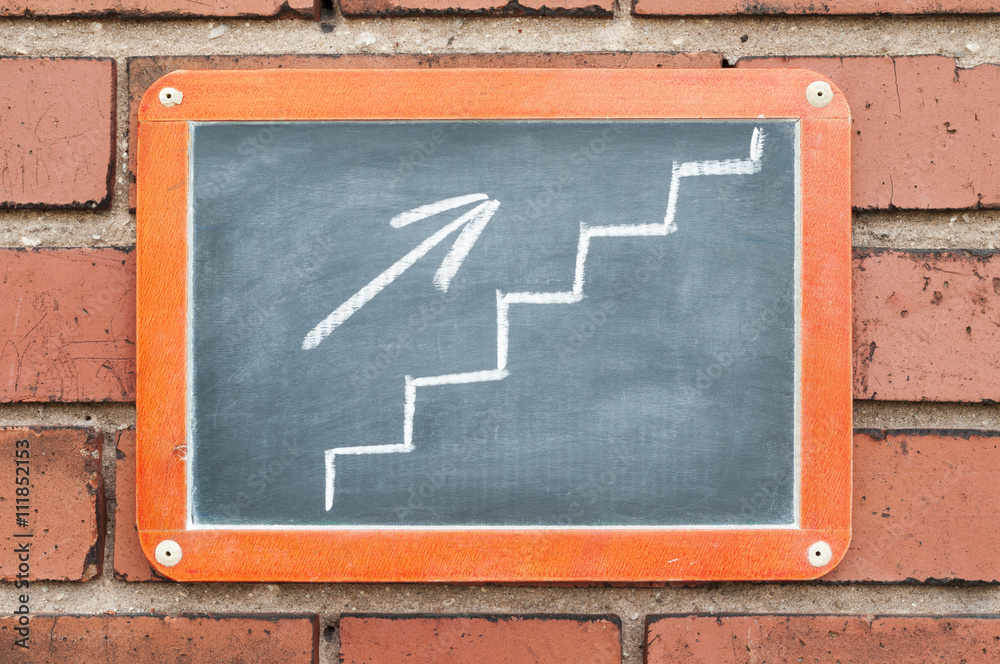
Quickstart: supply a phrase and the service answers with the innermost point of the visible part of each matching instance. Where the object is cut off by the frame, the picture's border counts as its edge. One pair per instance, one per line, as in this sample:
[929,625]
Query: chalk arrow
[474,221]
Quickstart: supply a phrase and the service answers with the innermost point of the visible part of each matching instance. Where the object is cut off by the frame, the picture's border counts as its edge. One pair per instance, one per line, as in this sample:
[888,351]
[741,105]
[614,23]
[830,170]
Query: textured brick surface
[262,639]
[67,329]
[129,560]
[704,7]
[65,503]
[925,505]
[926,134]
[603,8]
[479,640]
[143,71]
[926,325]
[805,638]
[57,127]
[301,8]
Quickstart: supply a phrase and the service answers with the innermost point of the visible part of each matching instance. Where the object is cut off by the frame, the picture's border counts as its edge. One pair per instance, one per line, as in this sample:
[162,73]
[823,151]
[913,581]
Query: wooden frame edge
[538,555]
[413,94]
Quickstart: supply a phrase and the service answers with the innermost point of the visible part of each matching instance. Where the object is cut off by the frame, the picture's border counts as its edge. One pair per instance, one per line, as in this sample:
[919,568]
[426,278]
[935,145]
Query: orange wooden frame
[571,554]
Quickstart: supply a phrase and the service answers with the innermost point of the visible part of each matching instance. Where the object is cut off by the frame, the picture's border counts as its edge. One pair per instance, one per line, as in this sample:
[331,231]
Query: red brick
[146,639]
[925,505]
[926,325]
[57,132]
[400,639]
[925,132]
[300,8]
[596,8]
[143,71]
[805,638]
[66,503]
[709,7]
[67,332]
[129,561]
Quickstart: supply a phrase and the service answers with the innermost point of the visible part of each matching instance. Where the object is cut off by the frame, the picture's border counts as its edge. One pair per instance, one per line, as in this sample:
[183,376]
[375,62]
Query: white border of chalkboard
[552,553]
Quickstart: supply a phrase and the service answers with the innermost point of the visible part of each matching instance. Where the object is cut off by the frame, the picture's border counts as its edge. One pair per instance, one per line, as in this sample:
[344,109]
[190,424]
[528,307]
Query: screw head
[820,554]
[819,93]
[168,553]
[171,96]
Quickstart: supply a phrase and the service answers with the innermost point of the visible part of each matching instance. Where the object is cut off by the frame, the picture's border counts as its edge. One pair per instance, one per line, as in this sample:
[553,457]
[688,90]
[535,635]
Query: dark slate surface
[664,397]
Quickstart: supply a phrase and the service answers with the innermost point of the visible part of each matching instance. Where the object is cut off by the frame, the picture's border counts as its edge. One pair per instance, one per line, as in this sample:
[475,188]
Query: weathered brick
[124,8]
[130,562]
[63,529]
[926,325]
[595,8]
[813,638]
[710,7]
[154,639]
[143,71]
[924,507]
[402,639]
[924,133]
[68,330]
[57,132]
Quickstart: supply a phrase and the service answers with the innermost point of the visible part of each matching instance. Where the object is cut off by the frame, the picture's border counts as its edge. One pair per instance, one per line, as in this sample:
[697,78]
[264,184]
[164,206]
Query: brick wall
[919,581]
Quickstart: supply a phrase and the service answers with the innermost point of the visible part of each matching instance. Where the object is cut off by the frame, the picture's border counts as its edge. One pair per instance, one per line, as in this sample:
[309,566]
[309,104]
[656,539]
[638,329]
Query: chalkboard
[639,276]
[480,322]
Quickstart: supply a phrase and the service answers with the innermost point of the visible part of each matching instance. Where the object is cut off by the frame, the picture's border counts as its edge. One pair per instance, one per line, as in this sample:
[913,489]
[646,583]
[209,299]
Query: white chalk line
[429,210]
[480,216]
[474,221]
[504,300]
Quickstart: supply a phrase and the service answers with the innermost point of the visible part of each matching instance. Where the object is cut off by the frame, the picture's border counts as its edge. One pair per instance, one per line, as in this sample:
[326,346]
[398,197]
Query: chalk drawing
[474,222]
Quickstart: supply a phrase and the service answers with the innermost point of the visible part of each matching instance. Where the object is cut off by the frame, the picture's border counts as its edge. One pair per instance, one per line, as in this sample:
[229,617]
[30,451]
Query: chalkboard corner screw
[168,553]
[171,96]
[820,554]
[819,93]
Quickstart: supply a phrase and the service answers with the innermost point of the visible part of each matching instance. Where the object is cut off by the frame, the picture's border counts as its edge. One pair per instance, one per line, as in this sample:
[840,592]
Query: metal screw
[168,553]
[171,96]
[819,93]
[820,554]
